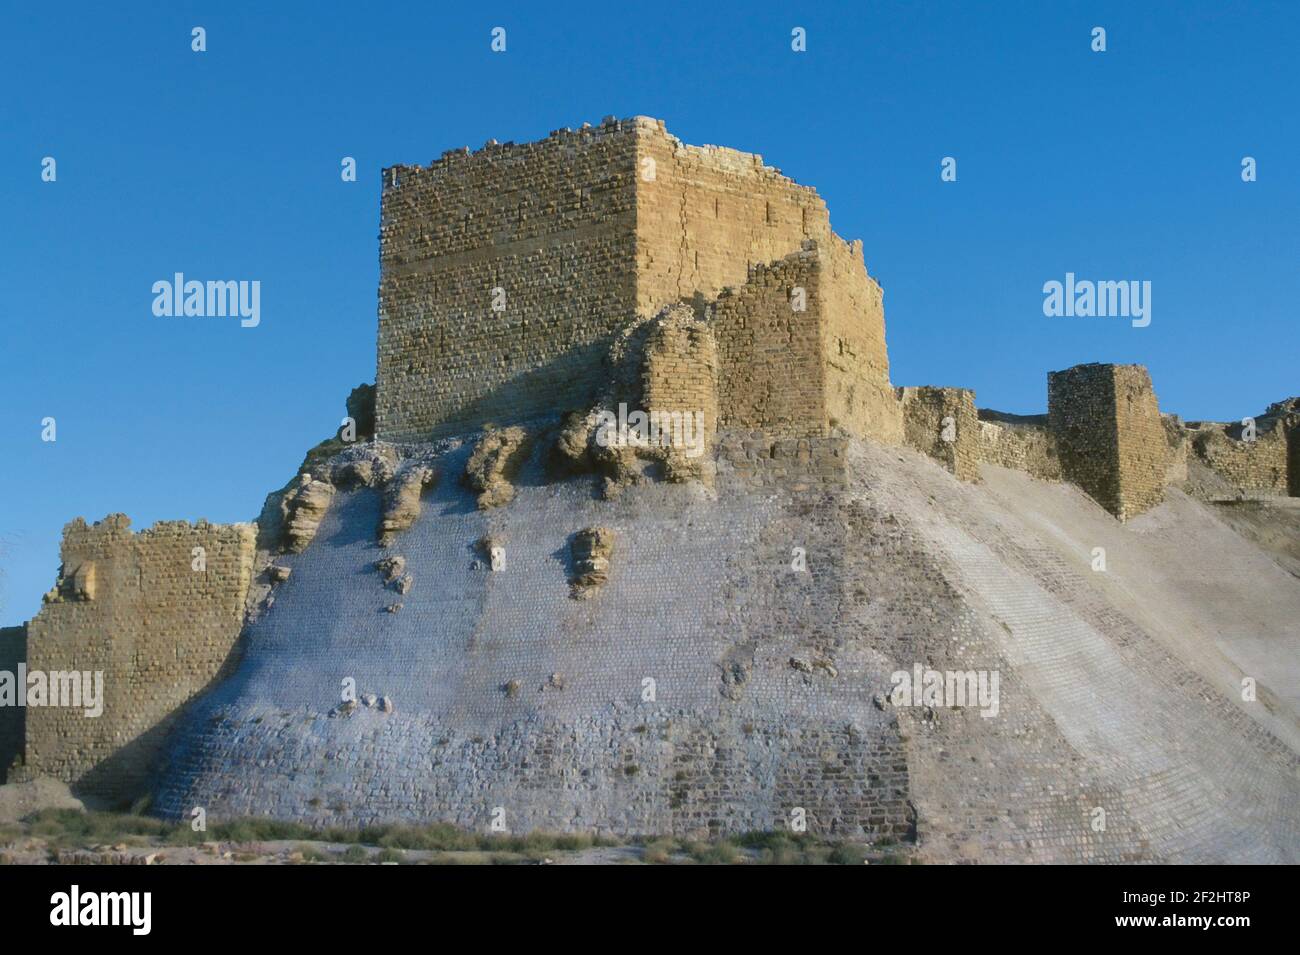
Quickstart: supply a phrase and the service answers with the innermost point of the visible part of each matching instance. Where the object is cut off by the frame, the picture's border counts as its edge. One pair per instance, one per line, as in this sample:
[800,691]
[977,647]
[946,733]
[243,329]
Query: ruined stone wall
[1293,461]
[942,423]
[1109,435]
[710,216]
[680,374]
[551,224]
[1143,446]
[1177,443]
[770,371]
[1261,464]
[13,651]
[1021,448]
[706,215]
[133,606]
[859,397]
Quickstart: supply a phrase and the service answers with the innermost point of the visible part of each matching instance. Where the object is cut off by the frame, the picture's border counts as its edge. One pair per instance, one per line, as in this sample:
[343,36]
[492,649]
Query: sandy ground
[1214,599]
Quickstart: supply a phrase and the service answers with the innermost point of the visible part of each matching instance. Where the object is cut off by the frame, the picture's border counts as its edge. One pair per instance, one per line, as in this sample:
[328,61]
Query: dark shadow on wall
[1293,460]
[569,382]
[128,775]
[13,719]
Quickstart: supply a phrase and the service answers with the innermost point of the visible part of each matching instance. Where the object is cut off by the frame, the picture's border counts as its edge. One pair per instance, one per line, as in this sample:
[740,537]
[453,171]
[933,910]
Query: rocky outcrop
[303,508]
[591,549]
[402,500]
[570,451]
[366,465]
[493,464]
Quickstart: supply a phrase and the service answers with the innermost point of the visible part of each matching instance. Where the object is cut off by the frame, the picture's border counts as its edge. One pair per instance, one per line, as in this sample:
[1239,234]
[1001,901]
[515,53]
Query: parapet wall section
[550,226]
[1261,463]
[1109,435]
[706,215]
[158,618]
[943,423]
[1021,447]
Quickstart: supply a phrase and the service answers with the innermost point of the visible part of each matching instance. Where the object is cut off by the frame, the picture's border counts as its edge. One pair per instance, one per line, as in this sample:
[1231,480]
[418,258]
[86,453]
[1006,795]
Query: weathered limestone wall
[158,629]
[770,373]
[859,397]
[581,232]
[1293,461]
[1177,443]
[551,224]
[942,422]
[712,216]
[680,373]
[13,651]
[1081,413]
[1143,446]
[1109,435]
[1259,464]
[1021,448]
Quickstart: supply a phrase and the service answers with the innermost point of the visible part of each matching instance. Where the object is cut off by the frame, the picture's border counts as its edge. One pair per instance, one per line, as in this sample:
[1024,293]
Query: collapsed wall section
[502,275]
[157,614]
[1261,457]
[680,373]
[1258,464]
[1109,434]
[770,374]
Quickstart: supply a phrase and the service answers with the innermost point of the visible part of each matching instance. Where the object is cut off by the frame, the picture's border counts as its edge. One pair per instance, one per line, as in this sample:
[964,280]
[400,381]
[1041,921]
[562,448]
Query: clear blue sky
[225,164]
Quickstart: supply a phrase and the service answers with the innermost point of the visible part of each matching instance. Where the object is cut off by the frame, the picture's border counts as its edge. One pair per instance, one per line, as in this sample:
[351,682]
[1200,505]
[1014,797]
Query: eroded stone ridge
[493,464]
[303,507]
[592,548]
[402,500]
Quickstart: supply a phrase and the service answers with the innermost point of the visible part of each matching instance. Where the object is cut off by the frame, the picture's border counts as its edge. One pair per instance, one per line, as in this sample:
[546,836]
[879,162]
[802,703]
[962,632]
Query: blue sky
[225,164]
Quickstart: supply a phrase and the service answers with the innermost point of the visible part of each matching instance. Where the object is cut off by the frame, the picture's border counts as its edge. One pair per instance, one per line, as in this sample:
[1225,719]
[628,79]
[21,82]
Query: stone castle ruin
[552,618]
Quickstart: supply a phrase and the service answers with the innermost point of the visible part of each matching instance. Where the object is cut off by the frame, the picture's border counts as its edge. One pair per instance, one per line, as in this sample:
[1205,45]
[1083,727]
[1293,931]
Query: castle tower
[505,272]
[1110,437]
